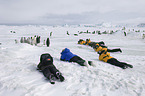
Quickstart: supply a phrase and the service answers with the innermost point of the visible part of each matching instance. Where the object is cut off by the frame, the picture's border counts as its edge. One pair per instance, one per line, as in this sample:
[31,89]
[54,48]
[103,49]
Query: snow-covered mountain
[19,77]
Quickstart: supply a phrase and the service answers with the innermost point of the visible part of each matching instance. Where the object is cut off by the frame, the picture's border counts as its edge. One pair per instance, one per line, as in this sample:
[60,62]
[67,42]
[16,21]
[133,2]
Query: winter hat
[80,40]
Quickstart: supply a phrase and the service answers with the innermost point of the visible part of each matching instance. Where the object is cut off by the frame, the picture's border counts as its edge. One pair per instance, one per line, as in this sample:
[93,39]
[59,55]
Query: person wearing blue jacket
[66,55]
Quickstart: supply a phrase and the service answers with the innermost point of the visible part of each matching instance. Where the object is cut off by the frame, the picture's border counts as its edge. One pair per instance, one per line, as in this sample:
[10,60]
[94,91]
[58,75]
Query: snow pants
[115,62]
[50,70]
[114,50]
[78,60]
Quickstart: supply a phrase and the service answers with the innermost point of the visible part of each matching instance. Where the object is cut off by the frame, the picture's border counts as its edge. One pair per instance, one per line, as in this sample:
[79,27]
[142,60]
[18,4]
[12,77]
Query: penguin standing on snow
[44,42]
[22,40]
[16,41]
[35,42]
[38,39]
[32,39]
[47,42]
[28,40]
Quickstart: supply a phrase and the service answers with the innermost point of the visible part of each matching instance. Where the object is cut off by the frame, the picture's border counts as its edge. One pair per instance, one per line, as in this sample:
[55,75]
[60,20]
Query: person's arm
[39,66]
[62,58]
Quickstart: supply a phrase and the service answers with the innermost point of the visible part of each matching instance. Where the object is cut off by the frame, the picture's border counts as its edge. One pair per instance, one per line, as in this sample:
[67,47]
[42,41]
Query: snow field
[19,76]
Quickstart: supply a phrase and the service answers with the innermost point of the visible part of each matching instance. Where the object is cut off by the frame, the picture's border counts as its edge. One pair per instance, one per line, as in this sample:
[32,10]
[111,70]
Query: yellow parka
[98,48]
[87,42]
[104,56]
[82,42]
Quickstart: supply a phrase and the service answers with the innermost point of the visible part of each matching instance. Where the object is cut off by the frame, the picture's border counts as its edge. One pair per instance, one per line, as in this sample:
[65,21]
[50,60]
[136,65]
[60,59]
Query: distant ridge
[141,25]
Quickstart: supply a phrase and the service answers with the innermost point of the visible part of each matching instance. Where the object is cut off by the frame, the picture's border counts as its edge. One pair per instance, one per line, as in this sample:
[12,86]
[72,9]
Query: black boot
[59,76]
[51,78]
[129,65]
[124,67]
[90,63]
[120,50]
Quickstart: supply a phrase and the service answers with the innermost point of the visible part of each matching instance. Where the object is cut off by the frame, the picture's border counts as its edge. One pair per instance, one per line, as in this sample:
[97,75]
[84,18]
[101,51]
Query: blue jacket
[66,55]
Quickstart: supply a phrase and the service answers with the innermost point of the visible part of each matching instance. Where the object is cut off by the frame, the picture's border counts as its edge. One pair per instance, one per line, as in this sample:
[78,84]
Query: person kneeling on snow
[105,56]
[49,70]
[66,55]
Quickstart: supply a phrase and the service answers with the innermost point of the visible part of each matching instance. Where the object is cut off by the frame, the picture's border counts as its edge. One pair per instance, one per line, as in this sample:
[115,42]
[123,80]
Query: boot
[86,64]
[129,65]
[120,50]
[91,63]
[59,76]
[51,78]
[124,67]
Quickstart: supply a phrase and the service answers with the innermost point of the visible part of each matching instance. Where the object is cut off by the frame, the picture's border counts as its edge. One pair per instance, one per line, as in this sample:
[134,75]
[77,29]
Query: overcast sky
[55,12]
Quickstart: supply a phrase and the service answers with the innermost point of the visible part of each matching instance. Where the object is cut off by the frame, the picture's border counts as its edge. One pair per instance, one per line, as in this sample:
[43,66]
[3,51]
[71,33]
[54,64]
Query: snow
[19,77]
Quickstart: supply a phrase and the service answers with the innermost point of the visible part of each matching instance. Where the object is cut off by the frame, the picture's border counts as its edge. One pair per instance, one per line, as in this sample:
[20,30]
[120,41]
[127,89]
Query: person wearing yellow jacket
[89,43]
[101,43]
[105,56]
[97,48]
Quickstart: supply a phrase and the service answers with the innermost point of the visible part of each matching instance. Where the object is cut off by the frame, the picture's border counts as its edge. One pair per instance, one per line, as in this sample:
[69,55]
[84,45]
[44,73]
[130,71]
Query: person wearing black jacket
[48,68]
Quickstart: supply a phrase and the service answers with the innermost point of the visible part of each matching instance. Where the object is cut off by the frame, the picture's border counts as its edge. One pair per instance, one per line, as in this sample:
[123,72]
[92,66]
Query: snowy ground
[19,77]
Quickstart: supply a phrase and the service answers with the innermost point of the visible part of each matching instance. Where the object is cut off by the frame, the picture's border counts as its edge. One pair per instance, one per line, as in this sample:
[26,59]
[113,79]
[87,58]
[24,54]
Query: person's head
[46,58]
[96,46]
[65,50]
[80,40]
[87,40]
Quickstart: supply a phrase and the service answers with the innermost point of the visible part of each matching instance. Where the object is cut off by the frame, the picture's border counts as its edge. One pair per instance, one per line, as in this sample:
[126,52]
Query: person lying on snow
[66,55]
[48,68]
[102,44]
[82,42]
[105,56]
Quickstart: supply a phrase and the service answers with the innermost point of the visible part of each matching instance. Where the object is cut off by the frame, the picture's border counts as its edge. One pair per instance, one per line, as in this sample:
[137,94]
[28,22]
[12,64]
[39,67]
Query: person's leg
[129,65]
[56,72]
[114,50]
[115,62]
[46,72]
[48,75]
[75,59]
[78,60]
[101,43]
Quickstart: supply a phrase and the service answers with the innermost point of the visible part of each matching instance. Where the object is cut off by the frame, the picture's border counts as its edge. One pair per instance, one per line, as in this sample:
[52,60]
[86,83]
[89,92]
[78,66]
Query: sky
[58,12]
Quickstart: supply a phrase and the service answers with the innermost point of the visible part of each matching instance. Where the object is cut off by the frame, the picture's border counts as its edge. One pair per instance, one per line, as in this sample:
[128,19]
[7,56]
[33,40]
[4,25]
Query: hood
[65,51]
